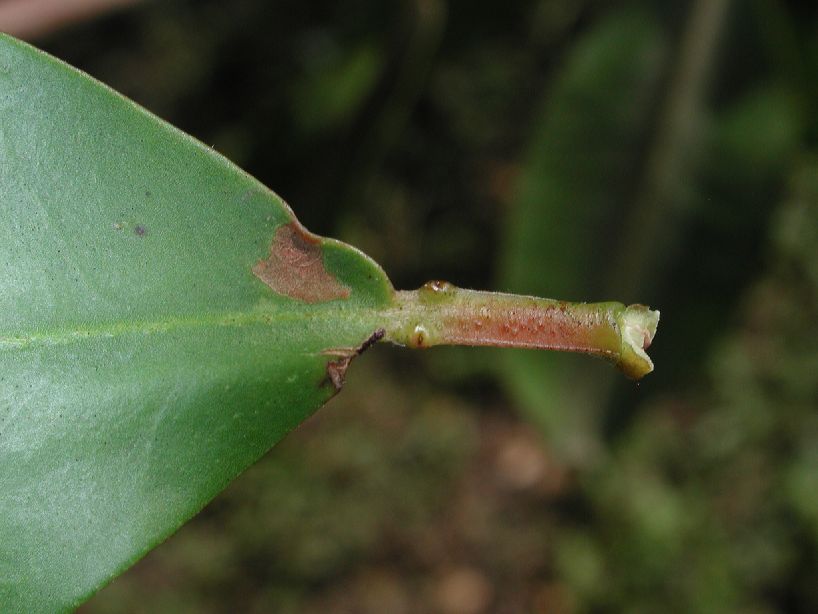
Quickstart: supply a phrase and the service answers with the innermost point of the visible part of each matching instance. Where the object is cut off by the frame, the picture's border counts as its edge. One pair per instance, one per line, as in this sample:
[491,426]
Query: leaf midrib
[235,319]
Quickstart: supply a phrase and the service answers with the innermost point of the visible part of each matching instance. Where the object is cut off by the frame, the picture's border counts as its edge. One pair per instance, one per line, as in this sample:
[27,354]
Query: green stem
[441,314]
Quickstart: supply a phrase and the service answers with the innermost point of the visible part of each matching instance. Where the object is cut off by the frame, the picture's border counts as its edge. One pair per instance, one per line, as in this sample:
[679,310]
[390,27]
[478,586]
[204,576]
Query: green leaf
[143,364]
[165,319]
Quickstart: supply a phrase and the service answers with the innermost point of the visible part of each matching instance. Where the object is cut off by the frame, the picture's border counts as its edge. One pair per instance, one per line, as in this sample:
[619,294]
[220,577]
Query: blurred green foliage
[571,195]
[577,149]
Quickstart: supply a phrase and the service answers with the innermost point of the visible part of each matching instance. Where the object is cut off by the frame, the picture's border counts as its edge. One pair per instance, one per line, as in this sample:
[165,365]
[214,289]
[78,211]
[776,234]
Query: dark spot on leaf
[140,231]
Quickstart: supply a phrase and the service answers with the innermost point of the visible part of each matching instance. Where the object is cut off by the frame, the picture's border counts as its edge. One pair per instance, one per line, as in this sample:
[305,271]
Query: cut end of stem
[637,326]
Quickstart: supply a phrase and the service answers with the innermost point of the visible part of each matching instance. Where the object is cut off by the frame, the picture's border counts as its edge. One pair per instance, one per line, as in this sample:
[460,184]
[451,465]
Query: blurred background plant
[646,151]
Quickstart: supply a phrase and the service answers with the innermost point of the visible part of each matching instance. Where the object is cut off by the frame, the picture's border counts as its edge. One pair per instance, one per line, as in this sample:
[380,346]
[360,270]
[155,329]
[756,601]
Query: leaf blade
[143,364]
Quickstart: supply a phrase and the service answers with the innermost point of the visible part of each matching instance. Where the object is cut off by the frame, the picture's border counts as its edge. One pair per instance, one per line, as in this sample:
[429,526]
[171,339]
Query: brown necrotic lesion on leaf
[295,267]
